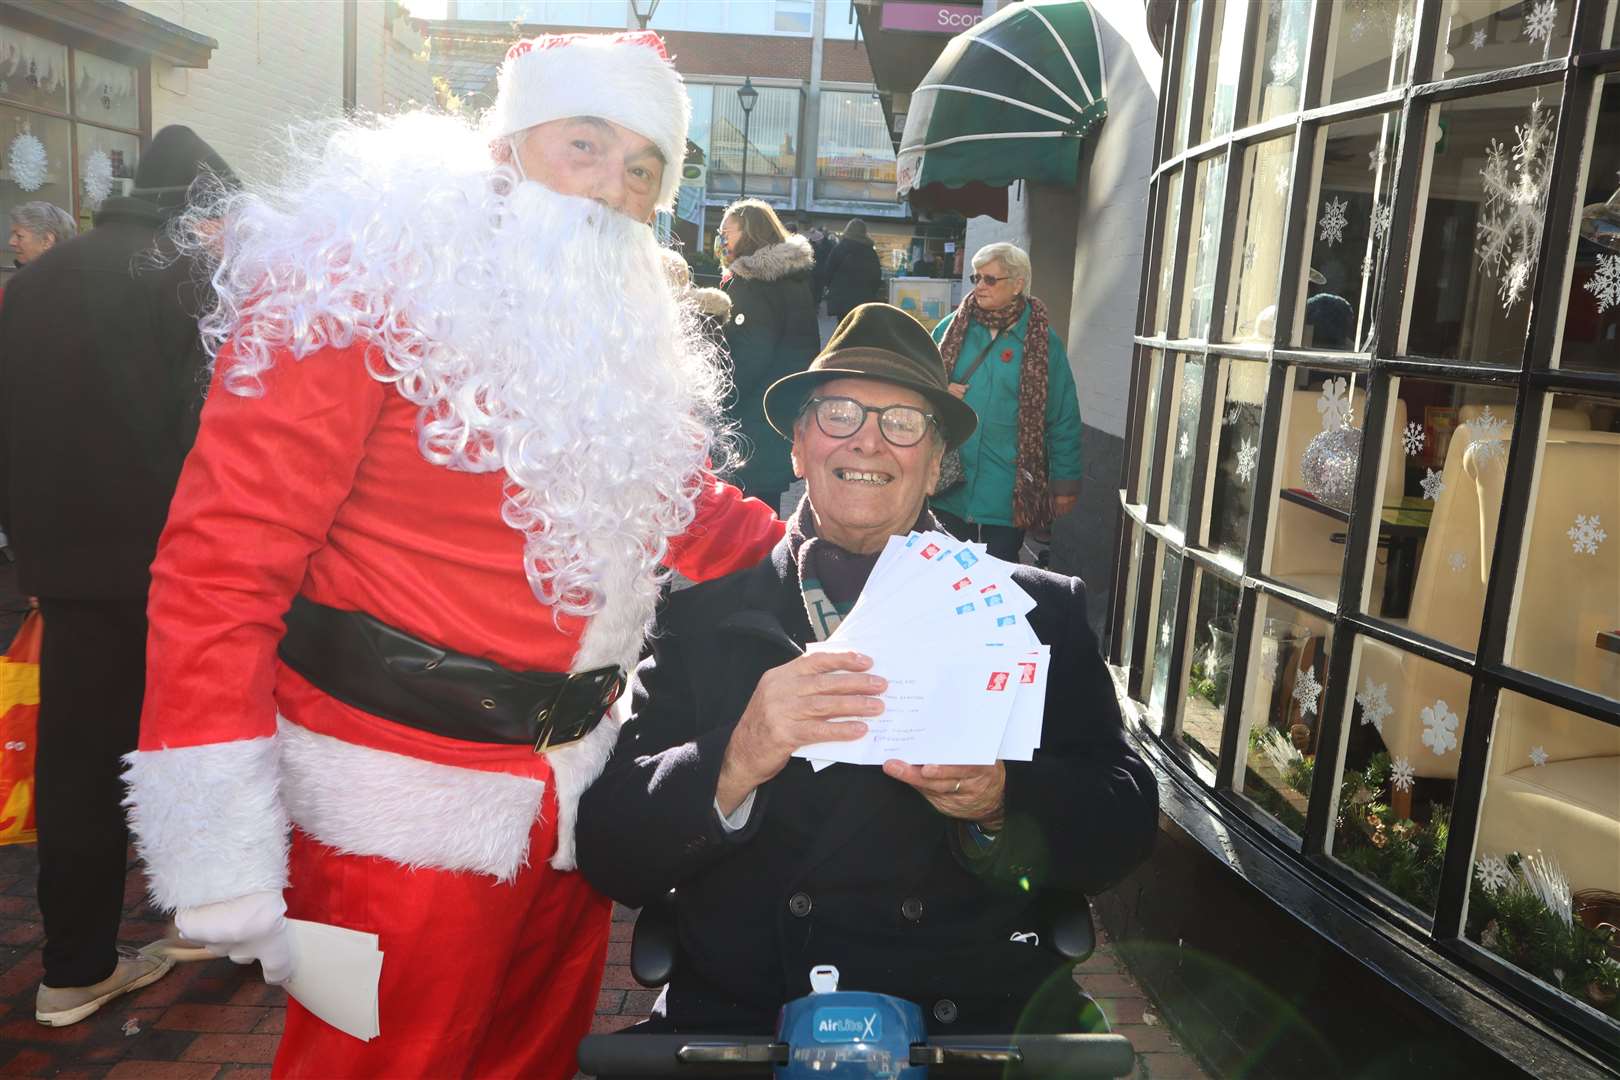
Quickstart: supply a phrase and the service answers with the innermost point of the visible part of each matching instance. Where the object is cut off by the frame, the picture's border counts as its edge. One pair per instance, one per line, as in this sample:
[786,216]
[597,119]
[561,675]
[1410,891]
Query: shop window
[1189,69]
[1402,745]
[1198,275]
[1318,456]
[1282,709]
[1150,427]
[1186,393]
[1167,251]
[1255,254]
[37,154]
[1209,669]
[1483,35]
[1163,631]
[1370,47]
[1347,232]
[1546,878]
[1490,165]
[107,161]
[1592,301]
[854,155]
[33,71]
[1279,72]
[1444,466]
[773,137]
[1220,89]
[105,91]
[1567,621]
[1237,458]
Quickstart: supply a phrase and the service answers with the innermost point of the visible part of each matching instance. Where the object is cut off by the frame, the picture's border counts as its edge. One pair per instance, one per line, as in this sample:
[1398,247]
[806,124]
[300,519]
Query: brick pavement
[216,1020]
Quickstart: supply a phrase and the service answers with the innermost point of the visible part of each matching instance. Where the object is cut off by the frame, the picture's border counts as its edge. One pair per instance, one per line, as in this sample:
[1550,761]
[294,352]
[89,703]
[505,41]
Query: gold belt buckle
[612,688]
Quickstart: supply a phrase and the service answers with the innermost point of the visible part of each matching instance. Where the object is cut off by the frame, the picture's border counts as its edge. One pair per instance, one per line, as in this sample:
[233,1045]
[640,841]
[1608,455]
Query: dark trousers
[1003,541]
[92,675]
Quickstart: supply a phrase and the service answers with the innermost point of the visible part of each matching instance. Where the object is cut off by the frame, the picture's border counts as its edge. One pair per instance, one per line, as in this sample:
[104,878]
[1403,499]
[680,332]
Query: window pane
[1190,63]
[1443,473]
[33,72]
[1318,450]
[1592,305]
[1186,392]
[1150,427]
[1256,251]
[1368,50]
[773,132]
[106,91]
[26,177]
[1280,62]
[1198,277]
[1400,770]
[854,155]
[1237,457]
[1209,674]
[1347,232]
[793,16]
[1567,624]
[1162,641]
[698,133]
[1220,91]
[1545,871]
[1167,251]
[1127,642]
[1482,35]
[105,159]
[1282,709]
[1481,229]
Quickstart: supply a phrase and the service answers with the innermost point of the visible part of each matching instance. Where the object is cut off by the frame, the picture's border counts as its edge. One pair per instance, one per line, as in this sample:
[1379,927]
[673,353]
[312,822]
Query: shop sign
[931,18]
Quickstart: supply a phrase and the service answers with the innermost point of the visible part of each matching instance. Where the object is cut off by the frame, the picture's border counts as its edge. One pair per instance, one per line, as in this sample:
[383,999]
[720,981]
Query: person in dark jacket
[922,882]
[771,331]
[854,274]
[100,390]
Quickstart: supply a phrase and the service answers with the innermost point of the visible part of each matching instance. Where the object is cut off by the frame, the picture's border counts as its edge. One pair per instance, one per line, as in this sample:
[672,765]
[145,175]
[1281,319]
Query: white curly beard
[535,330]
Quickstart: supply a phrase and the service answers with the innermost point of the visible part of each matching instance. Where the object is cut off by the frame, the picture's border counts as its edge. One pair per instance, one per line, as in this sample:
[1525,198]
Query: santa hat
[626,78]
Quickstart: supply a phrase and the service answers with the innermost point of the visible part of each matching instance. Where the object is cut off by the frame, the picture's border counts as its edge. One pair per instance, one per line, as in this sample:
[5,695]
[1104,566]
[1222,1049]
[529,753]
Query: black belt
[370,665]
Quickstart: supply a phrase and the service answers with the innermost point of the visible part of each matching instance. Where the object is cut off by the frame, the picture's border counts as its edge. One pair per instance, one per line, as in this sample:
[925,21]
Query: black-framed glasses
[841,417]
[988,279]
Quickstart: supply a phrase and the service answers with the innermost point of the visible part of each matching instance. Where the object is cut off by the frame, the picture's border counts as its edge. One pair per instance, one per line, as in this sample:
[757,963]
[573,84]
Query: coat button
[945,1011]
[911,908]
[799,905]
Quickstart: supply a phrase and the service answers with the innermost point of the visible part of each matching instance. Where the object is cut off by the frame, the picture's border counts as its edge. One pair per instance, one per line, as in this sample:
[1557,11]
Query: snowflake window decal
[1457,561]
[1489,431]
[1333,221]
[1542,21]
[1374,702]
[1586,534]
[1307,690]
[1281,179]
[1492,873]
[1381,217]
[1285,64]
[1432,485]
[1413,438]
[1334,404]
[1376,157]
[1605,283]
[1247,456]
[1477,42]
[1401,774]
[1507,236]
[1183,446]
[1538,756]
[1439,727]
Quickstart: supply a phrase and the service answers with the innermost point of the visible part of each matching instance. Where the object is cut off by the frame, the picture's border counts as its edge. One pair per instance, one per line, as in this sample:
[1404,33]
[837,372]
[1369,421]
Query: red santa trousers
[479,978]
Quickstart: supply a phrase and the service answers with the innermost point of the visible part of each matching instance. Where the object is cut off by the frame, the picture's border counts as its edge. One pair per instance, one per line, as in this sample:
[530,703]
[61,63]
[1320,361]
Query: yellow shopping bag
[19,721]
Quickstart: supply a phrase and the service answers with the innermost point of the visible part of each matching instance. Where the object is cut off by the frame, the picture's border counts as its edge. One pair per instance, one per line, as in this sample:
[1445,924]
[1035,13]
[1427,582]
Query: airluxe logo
[833,1024]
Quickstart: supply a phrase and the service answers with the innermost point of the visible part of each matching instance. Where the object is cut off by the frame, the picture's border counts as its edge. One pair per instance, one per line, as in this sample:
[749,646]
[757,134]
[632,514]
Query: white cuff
[738,818]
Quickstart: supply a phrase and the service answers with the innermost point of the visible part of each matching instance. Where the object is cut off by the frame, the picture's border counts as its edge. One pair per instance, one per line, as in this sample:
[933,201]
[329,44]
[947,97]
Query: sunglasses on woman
[988,279]
[841,417]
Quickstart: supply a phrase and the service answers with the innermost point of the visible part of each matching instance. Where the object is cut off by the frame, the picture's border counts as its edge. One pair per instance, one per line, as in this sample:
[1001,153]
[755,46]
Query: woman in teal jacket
[1022,464]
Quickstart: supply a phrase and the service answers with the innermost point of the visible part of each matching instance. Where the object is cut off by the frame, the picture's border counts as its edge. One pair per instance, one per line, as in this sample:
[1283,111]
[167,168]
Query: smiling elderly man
[915,881]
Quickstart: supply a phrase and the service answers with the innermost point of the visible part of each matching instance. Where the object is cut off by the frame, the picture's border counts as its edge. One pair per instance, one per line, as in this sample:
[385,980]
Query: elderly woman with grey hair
[36,227]
[1021,468]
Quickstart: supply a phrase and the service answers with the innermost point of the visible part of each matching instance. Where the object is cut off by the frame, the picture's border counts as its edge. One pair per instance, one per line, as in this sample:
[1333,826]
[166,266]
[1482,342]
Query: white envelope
[335,975]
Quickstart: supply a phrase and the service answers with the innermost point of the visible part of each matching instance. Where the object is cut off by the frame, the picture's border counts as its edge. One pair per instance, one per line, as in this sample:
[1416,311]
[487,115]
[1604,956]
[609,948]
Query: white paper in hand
[335,975]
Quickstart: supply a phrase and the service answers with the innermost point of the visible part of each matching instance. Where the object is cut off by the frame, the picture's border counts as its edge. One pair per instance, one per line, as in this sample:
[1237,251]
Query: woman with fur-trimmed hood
[771,332]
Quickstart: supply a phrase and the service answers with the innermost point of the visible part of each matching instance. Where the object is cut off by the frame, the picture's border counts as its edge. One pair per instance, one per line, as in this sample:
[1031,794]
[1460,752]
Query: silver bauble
[1328,466]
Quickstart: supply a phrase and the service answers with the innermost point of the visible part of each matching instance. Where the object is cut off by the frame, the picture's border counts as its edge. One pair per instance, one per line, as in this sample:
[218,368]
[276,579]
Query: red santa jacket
[318,488]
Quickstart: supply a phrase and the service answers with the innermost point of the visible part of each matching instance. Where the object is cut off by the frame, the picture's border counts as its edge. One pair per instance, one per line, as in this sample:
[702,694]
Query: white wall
[278,62]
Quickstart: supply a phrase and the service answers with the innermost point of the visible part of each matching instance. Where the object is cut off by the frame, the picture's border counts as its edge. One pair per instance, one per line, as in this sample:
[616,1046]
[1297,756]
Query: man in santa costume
[457,427]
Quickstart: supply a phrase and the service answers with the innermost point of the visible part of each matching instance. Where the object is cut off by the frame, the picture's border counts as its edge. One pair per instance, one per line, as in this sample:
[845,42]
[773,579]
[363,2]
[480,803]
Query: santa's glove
[248,928]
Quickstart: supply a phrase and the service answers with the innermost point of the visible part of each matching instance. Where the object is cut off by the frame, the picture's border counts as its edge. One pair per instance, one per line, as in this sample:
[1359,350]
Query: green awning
[1011,99]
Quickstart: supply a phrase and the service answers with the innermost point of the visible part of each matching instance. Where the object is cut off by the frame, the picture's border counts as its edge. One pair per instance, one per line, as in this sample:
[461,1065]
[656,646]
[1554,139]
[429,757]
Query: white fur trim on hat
[625,78]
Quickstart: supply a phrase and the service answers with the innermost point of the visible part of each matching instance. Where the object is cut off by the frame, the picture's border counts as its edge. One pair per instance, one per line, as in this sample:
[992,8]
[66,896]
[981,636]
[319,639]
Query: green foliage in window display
[1404,855]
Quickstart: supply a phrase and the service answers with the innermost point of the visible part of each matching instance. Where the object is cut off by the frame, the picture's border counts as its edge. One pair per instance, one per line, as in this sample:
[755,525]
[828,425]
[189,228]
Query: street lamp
[747,97]
[643,11]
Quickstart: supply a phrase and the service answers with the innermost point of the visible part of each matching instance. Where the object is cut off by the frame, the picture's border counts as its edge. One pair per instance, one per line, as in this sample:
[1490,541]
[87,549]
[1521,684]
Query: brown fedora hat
[881,342]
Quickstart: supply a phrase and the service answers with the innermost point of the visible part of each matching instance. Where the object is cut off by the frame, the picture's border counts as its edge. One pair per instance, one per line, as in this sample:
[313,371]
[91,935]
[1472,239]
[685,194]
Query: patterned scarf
[1031,507]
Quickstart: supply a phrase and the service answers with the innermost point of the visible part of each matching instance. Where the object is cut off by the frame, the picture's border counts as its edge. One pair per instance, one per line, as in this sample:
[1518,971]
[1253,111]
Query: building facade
[1367,595]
